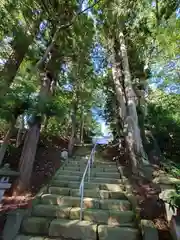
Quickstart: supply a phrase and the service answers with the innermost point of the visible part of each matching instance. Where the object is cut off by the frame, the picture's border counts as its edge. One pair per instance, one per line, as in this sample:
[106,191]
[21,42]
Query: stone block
[57,183]
[148,229]
[107,180]
[97,169]
[69,173]
[87,193]
[73,229]
[67,178]
[117,195]
[35,225]
[112,204]
[23,237]
[106,232]
[51,211]
[104,194]
[74,184]
[119,218]
[59,191]
[111,187]
[108,175]
[96,215]
[91,203]
[75,213]
[71,168]
[51,199]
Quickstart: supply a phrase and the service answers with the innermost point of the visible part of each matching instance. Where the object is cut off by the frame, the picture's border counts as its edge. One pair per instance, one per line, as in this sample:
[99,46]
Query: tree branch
[56,34]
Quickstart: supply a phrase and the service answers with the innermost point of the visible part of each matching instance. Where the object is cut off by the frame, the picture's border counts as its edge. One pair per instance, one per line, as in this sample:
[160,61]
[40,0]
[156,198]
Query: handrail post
[89,170]
[82,200]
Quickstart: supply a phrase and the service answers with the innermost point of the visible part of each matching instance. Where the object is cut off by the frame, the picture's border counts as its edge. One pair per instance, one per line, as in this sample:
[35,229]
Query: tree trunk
[9,71]
[73,131]
[19,138]
[126,98]
[6,141]
[32,138]
[28,156]
[132,99]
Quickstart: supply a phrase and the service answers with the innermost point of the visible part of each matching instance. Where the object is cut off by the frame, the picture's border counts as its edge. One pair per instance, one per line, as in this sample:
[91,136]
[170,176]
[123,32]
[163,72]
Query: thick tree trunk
[6,141]
[28,156]
[8,73]
[32,138]
[126,98]
[131,97]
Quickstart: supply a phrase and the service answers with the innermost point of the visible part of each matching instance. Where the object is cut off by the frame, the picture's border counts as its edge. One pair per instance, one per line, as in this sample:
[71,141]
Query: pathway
[107,212]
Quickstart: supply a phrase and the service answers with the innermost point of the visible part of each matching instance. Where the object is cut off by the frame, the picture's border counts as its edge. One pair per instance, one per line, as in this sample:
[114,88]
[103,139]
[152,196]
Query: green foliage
[174,200]
[164,122]
[148,41]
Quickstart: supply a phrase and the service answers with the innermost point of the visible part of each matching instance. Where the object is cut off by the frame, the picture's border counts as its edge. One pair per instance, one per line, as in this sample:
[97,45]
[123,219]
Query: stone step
[69,201]
[106,175]
[72,168]
[83,163]
[106,180]
[93,169]
[93,192]
[66,178]
[85,160]
[92,179]
[36,225]
[112,187]
[114,204]
[28,237]
[109,217]
[69,173]
[93,174]
[101,168]
[106,232]
[88,185]
[73,229]
[43,210]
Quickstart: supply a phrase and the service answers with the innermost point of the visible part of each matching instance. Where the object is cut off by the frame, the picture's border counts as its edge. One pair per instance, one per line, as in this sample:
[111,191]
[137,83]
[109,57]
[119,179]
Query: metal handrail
[81,187]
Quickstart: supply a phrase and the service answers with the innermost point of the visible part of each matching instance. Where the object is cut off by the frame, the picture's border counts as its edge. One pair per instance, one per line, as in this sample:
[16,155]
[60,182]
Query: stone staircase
[107,212]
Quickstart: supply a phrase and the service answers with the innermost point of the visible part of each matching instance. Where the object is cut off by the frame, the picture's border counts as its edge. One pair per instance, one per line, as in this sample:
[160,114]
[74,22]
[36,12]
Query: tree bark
[131,97]
[73,131]
[126,98]
[28,156]
[32,138]
[20,132]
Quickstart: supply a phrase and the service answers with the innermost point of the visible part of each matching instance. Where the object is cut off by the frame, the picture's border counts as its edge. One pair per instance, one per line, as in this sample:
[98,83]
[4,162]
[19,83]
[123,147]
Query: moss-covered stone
[35,225]
[73,229]
[106,232]
[112,204]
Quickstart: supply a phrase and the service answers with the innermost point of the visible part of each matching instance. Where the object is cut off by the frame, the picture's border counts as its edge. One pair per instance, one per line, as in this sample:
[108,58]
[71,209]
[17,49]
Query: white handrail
[81,187]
